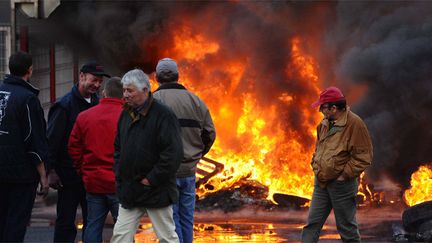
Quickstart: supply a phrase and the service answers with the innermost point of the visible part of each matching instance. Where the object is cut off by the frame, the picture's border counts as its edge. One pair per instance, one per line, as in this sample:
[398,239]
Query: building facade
[5,35]
[55,66]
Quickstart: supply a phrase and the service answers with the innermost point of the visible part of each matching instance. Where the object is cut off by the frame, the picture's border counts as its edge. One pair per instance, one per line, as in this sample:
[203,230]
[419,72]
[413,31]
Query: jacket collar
[143,111]
[337,126]
[12,79]
[170,86]
[93,97]
[339,122]
[111,101]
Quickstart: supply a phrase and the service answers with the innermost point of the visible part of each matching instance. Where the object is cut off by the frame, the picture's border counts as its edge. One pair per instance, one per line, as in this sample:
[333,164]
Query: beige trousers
[128,221]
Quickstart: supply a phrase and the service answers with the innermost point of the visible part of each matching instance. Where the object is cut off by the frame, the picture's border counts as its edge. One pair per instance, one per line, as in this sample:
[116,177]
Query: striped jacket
[198,131]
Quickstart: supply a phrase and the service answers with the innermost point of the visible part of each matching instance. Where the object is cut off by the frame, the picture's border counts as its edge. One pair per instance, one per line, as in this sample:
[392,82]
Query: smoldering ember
[259,66]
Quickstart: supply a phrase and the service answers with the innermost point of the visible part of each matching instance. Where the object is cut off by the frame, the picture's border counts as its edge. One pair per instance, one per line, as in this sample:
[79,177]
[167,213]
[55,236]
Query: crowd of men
[135,152]
[129,153]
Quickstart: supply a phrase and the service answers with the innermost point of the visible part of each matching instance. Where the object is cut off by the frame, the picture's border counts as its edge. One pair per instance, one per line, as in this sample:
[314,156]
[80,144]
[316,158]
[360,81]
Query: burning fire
[253,140]
[421,187]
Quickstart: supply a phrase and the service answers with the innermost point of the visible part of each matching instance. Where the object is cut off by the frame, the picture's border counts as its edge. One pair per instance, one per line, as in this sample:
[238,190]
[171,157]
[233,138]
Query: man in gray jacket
[198,135]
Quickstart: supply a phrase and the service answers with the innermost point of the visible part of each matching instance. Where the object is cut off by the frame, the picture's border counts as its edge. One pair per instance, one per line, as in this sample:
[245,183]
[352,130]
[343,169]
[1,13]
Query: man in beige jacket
[343,151]
[198,135]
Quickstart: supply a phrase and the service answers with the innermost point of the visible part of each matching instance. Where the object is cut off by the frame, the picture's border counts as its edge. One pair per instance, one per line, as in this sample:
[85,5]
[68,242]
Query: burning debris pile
[243,192]
[249,193]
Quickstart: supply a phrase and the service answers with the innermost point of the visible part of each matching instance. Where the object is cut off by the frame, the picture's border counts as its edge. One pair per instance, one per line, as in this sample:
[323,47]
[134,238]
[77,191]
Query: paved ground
[247,225]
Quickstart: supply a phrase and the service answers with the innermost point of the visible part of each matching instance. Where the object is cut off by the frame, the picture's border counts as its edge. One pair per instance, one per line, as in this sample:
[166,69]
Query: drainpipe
[23,39]
[52,74]
[13,31]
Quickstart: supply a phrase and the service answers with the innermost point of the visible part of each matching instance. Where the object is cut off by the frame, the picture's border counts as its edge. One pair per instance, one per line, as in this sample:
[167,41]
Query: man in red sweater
[91,147]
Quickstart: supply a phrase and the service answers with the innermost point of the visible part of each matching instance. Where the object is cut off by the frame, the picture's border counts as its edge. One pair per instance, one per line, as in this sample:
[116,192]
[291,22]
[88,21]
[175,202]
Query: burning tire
[290,201]
[426,226]
[415,216]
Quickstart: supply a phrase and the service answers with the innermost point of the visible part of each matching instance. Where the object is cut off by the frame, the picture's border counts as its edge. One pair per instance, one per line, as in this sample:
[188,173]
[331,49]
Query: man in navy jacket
[62,174]
[23,148]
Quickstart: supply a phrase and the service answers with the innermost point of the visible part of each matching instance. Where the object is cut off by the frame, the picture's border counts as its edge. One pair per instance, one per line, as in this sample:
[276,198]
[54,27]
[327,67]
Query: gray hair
[137,78]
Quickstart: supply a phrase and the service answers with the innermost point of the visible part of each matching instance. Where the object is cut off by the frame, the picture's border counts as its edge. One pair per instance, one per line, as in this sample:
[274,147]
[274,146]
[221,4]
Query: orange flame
[252,140]
[421,187]
[195,45]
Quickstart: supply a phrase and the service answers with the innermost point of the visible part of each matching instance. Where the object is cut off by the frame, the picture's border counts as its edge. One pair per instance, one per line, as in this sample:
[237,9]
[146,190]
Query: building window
[4,50]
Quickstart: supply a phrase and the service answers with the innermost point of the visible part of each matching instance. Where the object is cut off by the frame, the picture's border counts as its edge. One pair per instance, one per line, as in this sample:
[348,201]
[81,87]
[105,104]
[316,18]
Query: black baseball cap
[94,68]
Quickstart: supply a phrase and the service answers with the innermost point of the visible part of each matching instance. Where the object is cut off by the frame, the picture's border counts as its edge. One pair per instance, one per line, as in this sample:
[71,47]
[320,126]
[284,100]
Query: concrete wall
[64,61]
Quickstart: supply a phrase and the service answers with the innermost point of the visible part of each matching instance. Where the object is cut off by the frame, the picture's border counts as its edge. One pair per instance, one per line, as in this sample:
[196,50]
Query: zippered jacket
[198,131]
[344,149]
[23,143]
[91,145]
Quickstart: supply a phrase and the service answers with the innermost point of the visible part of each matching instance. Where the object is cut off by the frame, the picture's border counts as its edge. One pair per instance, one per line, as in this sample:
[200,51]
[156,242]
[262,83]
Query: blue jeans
[184,209]
[98,206]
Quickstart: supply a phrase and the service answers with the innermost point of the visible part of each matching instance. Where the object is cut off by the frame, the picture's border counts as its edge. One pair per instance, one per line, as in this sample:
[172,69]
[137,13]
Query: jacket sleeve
[360,146]
[117,149]
[208,134]
[171,151]
[37,144]
[76,145]
[57,122]
[318,130]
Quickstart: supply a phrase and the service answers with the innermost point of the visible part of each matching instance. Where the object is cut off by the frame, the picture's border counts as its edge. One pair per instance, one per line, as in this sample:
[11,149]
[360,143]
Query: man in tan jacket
[343,151]
[198,135]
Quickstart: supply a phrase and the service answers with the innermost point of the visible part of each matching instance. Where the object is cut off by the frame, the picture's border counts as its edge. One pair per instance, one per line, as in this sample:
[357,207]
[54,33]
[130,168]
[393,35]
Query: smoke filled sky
[378,53]
[388,47]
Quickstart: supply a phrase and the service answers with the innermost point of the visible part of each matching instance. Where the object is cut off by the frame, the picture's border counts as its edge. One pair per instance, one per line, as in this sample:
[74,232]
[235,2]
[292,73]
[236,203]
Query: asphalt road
[245,225]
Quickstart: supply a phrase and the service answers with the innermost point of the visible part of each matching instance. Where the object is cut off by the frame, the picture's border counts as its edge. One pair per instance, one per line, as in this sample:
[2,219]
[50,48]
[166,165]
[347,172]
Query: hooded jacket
[344,149]
[23,143]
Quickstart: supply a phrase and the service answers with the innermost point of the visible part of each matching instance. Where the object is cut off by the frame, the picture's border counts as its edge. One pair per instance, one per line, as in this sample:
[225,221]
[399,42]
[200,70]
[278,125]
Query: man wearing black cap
[343,151]
[62,174]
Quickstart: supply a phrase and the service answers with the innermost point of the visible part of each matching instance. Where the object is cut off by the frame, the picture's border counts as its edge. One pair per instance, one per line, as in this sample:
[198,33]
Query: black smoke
[388,46]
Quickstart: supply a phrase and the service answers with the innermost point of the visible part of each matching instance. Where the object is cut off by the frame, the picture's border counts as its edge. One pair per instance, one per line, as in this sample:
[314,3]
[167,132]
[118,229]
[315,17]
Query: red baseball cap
[331,94]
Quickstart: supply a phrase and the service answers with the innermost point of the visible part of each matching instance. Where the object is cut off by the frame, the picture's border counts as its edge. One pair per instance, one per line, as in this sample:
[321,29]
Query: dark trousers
[16,204]
[69,197]
[341,197]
